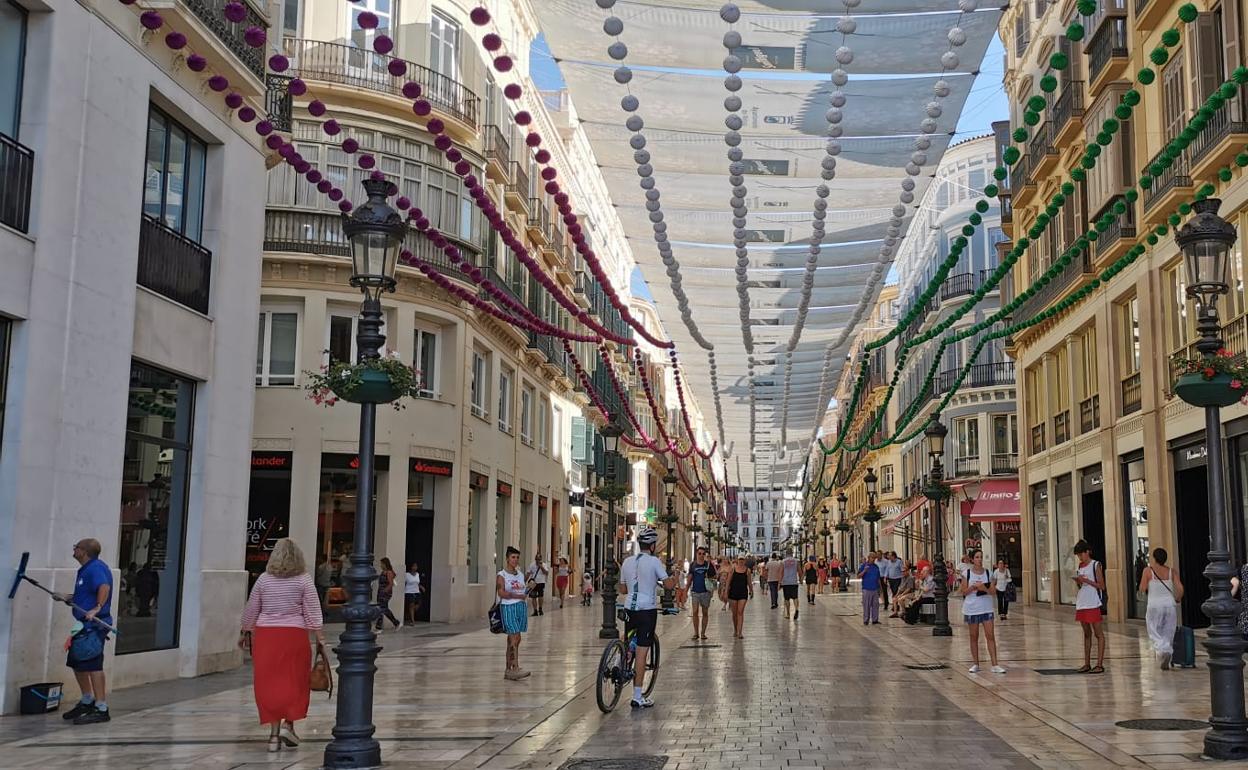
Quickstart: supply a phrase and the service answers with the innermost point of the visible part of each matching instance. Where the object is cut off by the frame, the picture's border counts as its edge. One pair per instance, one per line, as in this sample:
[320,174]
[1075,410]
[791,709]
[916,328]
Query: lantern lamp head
[375,232]
[842,503]
[611,433]
[936,432]
[1206,242]
[871,480]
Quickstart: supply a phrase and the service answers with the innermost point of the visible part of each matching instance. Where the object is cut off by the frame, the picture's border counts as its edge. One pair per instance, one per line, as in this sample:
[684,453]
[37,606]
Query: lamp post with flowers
[611,433]
[842,526]
[937,492]
[873,514]
[670,480]
[1212,381]
[823,514]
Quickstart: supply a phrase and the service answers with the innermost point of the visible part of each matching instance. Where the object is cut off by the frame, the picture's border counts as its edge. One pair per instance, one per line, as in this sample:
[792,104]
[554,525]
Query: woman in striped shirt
[282,615]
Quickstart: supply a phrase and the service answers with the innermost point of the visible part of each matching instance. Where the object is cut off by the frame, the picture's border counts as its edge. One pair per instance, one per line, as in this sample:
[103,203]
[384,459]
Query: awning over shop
[998,500]
[916,505]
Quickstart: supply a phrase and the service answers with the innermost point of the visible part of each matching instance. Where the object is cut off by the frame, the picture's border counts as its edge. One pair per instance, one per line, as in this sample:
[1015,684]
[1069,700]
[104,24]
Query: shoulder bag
[495,617]
[1104,594]
[322,677]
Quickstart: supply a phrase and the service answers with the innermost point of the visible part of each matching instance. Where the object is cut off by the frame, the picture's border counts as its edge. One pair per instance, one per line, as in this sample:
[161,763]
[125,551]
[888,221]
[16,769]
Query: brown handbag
[321,677]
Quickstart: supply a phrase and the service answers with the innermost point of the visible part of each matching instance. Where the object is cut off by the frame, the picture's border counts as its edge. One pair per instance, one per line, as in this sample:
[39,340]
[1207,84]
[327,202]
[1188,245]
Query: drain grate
[1163,724]
[631,763]
[927,667]
[699,646]
[1059,672]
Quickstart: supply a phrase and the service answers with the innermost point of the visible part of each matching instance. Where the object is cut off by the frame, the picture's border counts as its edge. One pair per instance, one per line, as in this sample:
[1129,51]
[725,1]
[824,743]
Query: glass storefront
[151,542]
[478,486]
[339,500]
[1044,546]
[1136,513]
[502,516]
[268,508]
[526,522]
[1067,535]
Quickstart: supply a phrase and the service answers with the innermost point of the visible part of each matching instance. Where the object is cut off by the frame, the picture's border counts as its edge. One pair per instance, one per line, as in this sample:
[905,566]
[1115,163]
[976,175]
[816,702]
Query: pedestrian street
[821,692]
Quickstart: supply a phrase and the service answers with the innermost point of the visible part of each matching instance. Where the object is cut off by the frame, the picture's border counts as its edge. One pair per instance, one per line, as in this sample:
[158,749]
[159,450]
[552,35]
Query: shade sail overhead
[793,310]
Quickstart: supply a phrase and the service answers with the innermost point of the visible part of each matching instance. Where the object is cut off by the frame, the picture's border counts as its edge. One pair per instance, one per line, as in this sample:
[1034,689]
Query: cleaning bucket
[41,698]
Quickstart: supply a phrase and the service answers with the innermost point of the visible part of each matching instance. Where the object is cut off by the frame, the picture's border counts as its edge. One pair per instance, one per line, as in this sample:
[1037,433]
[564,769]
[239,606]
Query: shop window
[1136,515]
[1044,547]
[426,361]
[173,185]
[480,385]
[1067,534]
[504,400]
[151,538]
[276,348]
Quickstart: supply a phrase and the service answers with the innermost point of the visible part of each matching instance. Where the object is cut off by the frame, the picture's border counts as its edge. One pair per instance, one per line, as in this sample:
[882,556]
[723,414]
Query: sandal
[1084,669]
[1097,670]
[275,744]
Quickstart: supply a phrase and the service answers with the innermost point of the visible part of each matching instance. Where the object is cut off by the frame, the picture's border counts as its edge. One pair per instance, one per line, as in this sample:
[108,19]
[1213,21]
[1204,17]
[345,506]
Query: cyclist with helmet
[639,577]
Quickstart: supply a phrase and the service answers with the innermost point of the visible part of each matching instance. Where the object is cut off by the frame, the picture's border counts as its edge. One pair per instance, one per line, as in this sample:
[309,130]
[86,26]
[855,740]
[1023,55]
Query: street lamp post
[842,526]
[695,517]
[610,433]
[669,486]
[873,514]
[1206,241]
[827,554]
[375,232]
[936,432]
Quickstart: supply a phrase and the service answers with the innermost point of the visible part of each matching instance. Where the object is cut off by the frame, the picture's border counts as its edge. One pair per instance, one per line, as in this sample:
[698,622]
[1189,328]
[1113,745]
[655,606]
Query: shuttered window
[1207,51]
[1173,105]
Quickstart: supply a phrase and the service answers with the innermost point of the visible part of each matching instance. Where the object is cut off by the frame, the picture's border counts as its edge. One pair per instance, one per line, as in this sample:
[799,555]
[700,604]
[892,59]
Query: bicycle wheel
[652,669]
[610,676]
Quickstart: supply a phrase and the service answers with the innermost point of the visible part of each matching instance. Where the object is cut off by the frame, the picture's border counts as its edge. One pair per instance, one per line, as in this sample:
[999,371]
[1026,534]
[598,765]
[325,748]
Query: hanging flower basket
[611,492]
[383,380]
[1217,380]
[667,518]
[842,526]
[938,492]
[872,516]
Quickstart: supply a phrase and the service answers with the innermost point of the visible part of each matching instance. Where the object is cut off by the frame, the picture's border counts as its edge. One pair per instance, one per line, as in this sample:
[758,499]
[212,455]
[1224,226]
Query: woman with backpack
[977,590]
[1164,590]
[1090,578]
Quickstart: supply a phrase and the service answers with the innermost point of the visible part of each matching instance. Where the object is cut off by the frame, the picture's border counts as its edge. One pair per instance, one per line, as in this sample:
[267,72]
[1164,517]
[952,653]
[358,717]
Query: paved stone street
[820,692]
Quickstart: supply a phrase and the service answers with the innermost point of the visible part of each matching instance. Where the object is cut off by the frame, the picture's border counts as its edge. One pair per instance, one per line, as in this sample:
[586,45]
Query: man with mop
[92,600]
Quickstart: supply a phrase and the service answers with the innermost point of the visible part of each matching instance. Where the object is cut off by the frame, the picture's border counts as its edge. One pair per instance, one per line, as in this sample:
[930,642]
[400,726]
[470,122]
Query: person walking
[812,580]
[775,571]
[740,591]
[385,593]
[700,584]
[790,579]
[1164,590]
[869,572]
[977,591]
[1002,579]
[821,572]
[587,587]
[724,569]
[834,573]
[411,593]
[282,615]
[562,575]
[510,588]
[147,588]
[1090,578]
[536,581]
[92,601]
[893,574]
[323,578]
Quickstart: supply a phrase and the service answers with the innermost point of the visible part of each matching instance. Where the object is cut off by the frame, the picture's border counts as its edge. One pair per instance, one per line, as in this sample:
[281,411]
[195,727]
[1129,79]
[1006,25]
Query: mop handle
[68,601]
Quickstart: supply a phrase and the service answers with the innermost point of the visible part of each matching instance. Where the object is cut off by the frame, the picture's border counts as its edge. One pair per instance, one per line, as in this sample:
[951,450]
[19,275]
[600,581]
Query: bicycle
[615,668]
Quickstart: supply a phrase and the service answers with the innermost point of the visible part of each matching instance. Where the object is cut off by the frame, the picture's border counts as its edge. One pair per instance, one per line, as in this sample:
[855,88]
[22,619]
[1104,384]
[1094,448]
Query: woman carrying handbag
[282,614]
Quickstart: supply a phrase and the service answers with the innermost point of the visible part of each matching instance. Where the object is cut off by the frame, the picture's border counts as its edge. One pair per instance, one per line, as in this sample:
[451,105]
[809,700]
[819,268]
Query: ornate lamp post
[695,518]
[669,487]
[375,232]
[1206,241]
[936,432]
[872,515]
[610,433]
[842,526]
[823,514]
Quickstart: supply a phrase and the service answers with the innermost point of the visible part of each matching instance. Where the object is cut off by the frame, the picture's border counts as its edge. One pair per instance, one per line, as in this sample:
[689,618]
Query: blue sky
[986,104]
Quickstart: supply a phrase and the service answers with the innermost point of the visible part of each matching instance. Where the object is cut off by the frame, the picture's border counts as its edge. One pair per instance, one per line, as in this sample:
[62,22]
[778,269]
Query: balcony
[1041,152]
[1234,339]
[497,154]
[1067,113]
[1089,414]
[173,265]
[1037,439]
[517,188]
[1131,394]
[980,376]
[17,170]
[1114,241]
[547,346]
[539,221]
[1079,268]
[1168,187]
[359,68]
[320,233]
[1006,203]
[1004,463]
[959,285]
[966,466]
[211,14]
[1225,135]
[1149,12]
[503,284]
[278,102]
[1061,427]
[1107,51]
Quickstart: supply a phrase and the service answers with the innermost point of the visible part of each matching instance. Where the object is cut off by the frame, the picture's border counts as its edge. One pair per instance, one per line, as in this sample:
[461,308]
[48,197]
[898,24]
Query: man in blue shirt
[700,572]
[870,574]
[93,590]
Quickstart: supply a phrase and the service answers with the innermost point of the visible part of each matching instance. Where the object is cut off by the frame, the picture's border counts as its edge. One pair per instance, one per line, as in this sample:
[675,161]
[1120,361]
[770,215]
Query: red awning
[998,500]
[916,505]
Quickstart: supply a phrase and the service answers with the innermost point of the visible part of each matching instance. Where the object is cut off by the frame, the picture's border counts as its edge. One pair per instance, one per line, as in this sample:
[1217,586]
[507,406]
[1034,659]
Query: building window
[1180,324]
[543,427]
[444,46]
[341,340]
[556,441]
[276,348]
[480,385]
[12,58]
[153,507]
[426,359]
[886,479]
[504,400]
[173,185]
[6,331]
[526,415]
[290,17]
[966,446]
[363,38]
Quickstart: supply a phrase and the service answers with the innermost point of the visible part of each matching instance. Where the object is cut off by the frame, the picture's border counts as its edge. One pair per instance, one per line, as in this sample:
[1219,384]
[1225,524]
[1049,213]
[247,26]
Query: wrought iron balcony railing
[173,265]
[1109,42]
[17,170]
[232,34]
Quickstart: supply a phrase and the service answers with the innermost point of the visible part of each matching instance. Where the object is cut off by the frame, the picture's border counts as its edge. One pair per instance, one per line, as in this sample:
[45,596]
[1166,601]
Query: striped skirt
[515,618]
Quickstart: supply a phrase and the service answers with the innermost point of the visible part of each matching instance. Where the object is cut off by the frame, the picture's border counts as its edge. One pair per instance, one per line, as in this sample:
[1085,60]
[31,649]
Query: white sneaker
[644,703]
[974,669]
[998,669]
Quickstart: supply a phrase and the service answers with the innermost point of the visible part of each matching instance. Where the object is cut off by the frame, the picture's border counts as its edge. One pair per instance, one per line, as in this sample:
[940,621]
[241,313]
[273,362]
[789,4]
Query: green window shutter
[579,448]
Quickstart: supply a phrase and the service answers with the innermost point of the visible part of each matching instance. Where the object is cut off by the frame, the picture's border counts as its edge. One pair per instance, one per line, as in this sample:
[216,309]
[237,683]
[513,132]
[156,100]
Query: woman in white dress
[1164,590]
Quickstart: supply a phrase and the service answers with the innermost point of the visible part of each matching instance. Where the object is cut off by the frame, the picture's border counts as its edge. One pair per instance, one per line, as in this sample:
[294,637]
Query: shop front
[428,498]
[502,522]
[1191,500]
[338,505]
[268,508]
[994,519]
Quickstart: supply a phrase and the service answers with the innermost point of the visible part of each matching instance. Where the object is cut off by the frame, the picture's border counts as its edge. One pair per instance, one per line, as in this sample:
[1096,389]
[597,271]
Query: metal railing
[278,102]
[317,232]
[232,34]
[1234,339]
[518,181]
[1040,147]
[362,68]
[1140,5]
[957,286]
[1120,226]
[546,344]
[1069,104]
[502,283]
[980,376]
[497,148]
[1177,175]
[1061,427]
[1109,42]
[1090,414]
[1231,119]
[539,216]
[1037,438]
[17,172]
[1079,267]
[1004,462]
[1131,394]
[173,265]
[966,466]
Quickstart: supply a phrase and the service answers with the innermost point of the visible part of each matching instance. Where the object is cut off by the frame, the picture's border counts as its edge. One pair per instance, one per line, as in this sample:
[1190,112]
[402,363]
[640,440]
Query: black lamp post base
[365,756]
[1226,741]
[942,631]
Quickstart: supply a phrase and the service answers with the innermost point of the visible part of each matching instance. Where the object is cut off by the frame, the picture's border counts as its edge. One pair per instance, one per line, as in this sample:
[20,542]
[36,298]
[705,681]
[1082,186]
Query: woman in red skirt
[282,616]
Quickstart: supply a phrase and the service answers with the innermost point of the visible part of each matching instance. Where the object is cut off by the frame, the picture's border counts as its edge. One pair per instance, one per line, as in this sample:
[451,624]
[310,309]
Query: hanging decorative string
[731,14]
